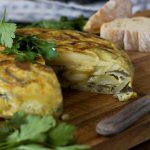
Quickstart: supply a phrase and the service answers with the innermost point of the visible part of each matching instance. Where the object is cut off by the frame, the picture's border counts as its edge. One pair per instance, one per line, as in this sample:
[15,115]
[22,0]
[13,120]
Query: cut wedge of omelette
[88,63]
[32,88]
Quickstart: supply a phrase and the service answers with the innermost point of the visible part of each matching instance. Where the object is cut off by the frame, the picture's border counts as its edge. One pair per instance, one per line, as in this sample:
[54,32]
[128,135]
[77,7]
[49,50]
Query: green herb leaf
[16,121]
[7,32]
[33,132]
[63,23]
[74,147]
[34,128]
[11,124]
[48,50]
[30,56]
[31,147]
[13,50]
[4,131]
[27,48]
[62,134]
[21,57]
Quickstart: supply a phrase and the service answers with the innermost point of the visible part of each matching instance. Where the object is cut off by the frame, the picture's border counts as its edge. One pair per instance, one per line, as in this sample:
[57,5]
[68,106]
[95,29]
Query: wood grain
[87,109]
[125,117]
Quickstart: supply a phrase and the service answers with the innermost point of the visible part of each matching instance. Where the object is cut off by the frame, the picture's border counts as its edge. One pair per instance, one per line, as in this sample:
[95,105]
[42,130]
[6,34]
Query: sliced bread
[128,33]
[111,10]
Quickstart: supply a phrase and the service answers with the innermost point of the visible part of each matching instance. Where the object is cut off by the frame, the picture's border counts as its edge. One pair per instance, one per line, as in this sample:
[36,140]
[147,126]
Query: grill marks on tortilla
[15,73]
[71,40]
[11,75]
[7,75]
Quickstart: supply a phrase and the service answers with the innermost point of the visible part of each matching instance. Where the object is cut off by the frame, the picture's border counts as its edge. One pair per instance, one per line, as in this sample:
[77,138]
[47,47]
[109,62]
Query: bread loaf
[128,33]
[111,10]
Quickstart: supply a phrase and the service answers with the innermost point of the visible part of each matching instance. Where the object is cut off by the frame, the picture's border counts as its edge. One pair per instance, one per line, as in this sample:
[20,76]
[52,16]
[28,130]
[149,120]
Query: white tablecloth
[28,10]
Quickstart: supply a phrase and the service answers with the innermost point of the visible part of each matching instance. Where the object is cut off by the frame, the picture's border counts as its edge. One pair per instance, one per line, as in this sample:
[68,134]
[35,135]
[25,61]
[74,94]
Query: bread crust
[111,10]
[136,38]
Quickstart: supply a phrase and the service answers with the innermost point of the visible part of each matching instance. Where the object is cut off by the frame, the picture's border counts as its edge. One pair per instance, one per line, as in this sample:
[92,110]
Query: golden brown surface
[32,88]
[109,11]
[88,63]
[87,109]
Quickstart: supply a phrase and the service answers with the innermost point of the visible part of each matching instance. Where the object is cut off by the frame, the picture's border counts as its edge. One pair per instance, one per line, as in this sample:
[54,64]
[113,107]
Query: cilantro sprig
[33,132]
[7,32]
[63,23]
[27,48]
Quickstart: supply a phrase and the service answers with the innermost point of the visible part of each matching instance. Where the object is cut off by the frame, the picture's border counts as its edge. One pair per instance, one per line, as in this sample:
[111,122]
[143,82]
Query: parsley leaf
[28,132]
[4,131]
[31,147]
[27,48]
[63,23]
[25,56]
[7,32]
[10,125]
[62,134]
[74,147]
[12,50]
[33,132]
[47,50]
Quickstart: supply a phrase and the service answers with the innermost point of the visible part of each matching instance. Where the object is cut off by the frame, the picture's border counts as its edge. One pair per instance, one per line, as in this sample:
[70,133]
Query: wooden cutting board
[87,109]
